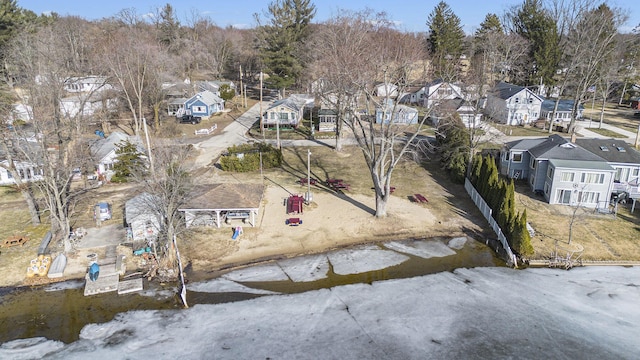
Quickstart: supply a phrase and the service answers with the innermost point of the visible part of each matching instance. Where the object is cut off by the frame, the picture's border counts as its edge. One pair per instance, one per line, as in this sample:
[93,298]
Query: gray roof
[563,105]
[208,97]
[141,205]
[581,164]
[613,151]
[102,147]
[524,144]
[559,148]
[505,90]
[296,102]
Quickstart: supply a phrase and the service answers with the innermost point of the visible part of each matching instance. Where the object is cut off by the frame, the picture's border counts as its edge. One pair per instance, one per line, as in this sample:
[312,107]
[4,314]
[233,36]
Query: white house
[513,105]
[439,90]
[103,151]
[396,114]
[28,172]
[287,113]
[87,104]
[142,217]
[386,90]
[563,113]
[466,111]
[87,84]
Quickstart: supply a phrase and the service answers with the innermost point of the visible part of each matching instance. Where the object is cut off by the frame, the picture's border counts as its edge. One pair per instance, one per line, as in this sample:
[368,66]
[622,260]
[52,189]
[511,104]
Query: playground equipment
[294,204]
[237,232]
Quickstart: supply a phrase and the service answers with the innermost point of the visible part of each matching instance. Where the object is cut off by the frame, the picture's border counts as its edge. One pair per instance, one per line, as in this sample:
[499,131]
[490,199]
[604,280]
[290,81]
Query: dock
[111,268]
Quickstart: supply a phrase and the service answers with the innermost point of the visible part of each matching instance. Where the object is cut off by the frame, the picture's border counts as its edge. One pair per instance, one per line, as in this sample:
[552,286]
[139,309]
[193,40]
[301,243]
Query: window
[507,155]
[546,188]
[550,172]
[635,172]
[517,157]
[516,100]
[533,163]
[592,178]
[284,116]
[563,196]
[567,176]
[588,197]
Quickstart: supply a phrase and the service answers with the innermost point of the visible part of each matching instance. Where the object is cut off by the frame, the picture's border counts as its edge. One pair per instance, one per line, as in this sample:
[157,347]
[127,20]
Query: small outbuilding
[218,204]
[142,217]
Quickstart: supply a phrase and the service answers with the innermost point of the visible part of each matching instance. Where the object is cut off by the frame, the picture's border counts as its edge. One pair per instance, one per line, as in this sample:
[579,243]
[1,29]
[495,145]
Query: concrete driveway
[97,237]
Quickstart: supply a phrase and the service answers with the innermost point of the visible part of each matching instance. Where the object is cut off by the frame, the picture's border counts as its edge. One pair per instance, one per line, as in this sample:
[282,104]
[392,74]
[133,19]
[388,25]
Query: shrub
[246,157]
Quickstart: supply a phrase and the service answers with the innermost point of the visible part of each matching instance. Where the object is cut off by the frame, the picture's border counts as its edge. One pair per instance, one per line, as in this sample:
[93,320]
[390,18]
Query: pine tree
[283,40]
[445,41]
[535,24]
[521,239]
[168,28]
[129,159]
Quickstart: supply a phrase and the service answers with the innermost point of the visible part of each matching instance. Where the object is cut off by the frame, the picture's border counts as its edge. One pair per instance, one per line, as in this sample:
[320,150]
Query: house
[327,120]
[287,113]
[103,151]
[203,104]
[563,112]
[466,111]
[512,104]
[87,84]
[218,204]
[624,159]
[143,218]
[386,90]
[397,114]
[88,104]
[213,86]
[439,90]
[413,95]
[562,171]
[28,172]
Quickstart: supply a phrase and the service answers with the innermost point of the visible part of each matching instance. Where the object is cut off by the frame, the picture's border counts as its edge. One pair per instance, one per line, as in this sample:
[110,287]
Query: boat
[57,267]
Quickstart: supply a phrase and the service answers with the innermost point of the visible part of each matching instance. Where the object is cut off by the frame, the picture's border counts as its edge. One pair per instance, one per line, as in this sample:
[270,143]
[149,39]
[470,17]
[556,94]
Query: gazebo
[215,204]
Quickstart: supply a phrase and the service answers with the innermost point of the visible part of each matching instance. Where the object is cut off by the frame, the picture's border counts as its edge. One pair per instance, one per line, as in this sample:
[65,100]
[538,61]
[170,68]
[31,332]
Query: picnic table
[419,198]
[338,184]
[293,221]
[15,240]
[305,181]
[391,189]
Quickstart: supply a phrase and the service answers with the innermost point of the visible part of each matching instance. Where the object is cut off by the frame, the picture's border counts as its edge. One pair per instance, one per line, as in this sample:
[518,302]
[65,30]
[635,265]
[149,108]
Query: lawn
[607,133]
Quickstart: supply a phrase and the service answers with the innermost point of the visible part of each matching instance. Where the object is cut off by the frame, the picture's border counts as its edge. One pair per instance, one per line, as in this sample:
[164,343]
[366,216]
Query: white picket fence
[486,212]
[207,131]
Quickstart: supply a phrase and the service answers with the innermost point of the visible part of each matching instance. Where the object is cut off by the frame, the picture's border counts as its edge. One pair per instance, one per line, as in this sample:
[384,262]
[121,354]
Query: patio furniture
[419,198]
[293,221]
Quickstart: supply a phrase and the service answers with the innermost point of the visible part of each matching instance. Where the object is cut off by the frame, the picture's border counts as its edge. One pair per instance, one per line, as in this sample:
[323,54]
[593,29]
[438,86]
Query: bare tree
[168,188]
[128,54]
[358,52]
[43,66]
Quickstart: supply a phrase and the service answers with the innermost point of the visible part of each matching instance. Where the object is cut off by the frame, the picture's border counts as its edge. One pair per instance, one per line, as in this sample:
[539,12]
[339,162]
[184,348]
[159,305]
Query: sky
[410,16]
[477,313]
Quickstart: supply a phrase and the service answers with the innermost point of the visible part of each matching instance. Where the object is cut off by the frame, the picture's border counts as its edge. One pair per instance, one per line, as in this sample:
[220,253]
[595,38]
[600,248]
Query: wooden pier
[111,268]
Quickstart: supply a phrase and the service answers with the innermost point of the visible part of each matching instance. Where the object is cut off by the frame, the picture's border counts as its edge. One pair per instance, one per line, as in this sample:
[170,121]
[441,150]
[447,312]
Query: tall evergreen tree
[535,24]
[445,41]
[168,28]
[283,40]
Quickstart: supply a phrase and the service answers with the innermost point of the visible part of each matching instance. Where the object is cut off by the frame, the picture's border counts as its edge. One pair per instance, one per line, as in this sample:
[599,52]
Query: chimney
[573,137]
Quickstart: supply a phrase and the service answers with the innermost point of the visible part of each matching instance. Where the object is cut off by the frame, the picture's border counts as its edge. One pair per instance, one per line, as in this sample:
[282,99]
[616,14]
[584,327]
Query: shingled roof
[225,197]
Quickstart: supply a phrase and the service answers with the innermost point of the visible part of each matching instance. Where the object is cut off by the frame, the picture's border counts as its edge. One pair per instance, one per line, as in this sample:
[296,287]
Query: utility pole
[261,124]
[146,134]
[241,92]
[309,197]
[245,95]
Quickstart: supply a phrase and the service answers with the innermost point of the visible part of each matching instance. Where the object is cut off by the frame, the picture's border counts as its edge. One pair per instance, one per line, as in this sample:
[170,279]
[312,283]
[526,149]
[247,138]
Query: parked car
[102,211]
[190,119]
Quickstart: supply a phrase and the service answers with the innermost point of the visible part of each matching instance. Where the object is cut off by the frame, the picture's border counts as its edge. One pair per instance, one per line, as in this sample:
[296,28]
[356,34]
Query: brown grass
[603,236]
